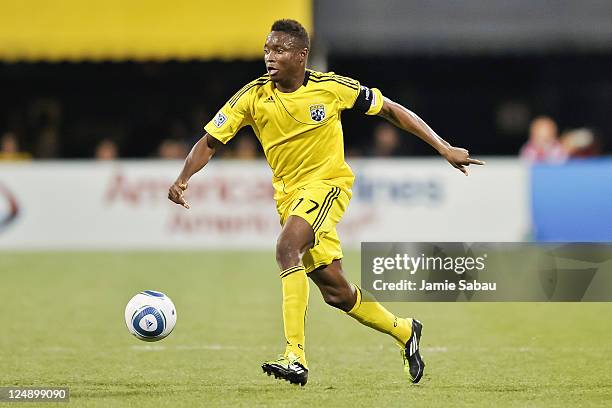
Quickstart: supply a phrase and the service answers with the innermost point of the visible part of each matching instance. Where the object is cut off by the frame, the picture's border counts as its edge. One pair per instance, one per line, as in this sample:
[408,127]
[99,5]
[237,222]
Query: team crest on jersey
[317,112]
[220,119]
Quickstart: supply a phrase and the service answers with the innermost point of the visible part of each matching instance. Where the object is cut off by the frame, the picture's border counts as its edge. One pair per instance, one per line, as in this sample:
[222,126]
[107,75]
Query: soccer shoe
[413,363]
[288,368]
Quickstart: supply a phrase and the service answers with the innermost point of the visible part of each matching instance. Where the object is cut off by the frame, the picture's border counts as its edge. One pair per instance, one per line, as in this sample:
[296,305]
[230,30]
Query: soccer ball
[150,315]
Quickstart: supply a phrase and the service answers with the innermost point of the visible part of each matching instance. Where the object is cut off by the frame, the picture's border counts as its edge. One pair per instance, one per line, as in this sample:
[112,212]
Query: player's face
[283,56]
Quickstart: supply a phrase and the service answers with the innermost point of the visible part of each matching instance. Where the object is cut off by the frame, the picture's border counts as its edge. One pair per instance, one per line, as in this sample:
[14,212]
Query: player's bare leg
[341,294]
[335,289]
[296,237]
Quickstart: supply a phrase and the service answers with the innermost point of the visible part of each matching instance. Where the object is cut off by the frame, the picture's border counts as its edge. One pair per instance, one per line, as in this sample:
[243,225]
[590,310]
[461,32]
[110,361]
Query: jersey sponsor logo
[317,112]
[269,99]
[220,119]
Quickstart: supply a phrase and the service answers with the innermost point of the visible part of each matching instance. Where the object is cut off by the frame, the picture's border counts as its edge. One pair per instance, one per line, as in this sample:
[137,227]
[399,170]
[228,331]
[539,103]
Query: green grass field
[62,325]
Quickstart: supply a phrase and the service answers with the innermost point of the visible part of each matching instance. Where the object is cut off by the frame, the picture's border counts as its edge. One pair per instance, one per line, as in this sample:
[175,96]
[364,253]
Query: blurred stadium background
[100,102]
[109,81]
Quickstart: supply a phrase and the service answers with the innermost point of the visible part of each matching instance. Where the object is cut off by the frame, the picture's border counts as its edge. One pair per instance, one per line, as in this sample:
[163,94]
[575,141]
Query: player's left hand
[460,158]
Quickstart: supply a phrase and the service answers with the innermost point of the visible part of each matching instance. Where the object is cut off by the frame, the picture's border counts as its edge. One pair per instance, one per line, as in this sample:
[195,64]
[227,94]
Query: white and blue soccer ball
[150,315]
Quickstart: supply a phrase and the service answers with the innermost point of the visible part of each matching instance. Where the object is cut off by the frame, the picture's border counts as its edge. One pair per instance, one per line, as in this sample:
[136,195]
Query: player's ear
[303,54]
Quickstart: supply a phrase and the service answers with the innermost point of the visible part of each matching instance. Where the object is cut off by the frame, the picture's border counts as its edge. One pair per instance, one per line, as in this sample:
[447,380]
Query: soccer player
[295,114]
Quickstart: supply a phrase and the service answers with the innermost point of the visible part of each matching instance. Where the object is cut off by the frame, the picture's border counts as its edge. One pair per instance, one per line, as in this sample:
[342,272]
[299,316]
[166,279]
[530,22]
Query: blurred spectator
[353,152]
[580,143]
[44,117]
[172,149]
[106,150]
[543,144]
[512,117]
[9,148]
[47,145]
[246,148]
[8,144]
[386,141]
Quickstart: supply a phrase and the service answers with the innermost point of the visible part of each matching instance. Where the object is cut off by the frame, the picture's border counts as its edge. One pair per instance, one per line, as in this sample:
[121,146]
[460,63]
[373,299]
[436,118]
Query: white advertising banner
[123,205]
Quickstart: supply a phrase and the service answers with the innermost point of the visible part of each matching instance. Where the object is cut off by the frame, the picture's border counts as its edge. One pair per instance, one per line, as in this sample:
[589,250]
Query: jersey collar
[306,76]
[300,89]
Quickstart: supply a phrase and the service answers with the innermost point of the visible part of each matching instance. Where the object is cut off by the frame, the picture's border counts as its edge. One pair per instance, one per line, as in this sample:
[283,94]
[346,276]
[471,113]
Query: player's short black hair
[294,28]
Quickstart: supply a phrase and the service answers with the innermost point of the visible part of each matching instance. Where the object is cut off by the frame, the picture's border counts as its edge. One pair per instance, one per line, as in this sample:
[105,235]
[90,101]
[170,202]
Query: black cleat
[413,363]
[287,368]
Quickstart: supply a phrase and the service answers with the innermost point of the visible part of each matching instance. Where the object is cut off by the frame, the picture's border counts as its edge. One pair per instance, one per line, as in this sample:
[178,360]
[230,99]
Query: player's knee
[287,253]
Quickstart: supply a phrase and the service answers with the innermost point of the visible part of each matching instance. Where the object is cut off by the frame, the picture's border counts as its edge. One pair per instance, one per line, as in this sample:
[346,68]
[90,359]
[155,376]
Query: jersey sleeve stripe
[244,90]
[347,79]
[239,91]
[236,97]
[339,78]
[261,80]
[355,87]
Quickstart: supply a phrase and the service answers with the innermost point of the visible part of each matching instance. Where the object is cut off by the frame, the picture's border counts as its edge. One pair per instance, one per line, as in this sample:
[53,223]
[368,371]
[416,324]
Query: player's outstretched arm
[409,121]
[197,158]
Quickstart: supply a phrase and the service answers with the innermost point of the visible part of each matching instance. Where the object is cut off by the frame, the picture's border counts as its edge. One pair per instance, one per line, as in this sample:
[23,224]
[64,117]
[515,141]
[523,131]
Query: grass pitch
[62,325]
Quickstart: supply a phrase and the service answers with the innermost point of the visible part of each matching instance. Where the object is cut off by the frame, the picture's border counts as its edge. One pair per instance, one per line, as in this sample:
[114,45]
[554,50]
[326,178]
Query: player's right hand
[175,193]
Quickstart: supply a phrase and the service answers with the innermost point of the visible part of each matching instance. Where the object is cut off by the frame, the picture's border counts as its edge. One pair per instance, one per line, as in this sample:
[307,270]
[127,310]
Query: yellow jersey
[300,131]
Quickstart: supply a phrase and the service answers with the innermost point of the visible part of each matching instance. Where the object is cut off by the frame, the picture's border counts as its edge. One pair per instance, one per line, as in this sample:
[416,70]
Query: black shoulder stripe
[346,79]
[322,75]
[318,74]
[340,78]
[354,87]
[263,79]
[237,95]
[236,98]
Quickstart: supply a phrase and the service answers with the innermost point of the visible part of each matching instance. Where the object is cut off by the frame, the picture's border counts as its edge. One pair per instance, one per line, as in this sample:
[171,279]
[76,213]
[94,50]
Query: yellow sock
[295,304]
[369,312]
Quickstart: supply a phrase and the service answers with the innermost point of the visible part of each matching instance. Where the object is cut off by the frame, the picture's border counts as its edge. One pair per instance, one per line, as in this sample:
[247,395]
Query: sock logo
[395,322]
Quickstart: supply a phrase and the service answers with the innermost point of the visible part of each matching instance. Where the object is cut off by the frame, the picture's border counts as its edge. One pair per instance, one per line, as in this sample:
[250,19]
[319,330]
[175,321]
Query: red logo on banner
[141,191]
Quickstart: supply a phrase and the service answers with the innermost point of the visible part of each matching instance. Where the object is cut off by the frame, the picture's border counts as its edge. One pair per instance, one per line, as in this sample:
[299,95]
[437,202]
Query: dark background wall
[483,102]
[486,102]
